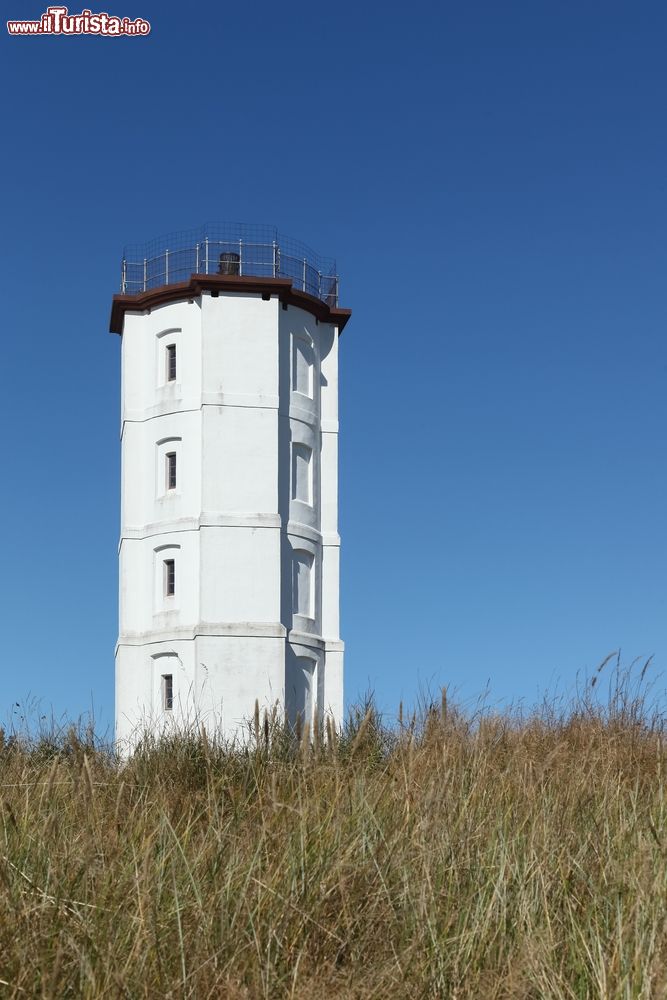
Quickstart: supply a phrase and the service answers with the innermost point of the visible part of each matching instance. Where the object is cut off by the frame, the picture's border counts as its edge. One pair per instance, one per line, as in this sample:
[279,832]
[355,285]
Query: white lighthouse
[229,547]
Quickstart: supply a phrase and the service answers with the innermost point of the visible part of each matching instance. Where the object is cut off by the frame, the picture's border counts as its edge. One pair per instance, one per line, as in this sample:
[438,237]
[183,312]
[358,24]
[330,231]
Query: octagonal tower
[229,548]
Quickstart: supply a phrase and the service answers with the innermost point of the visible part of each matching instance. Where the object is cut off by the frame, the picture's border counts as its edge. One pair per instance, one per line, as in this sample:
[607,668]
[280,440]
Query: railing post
[123,276]
[336,291]
[166,267]
[206,251]
[319,284]
[304,274]
[275,261]
[240,258]
[197,259]
[145,272]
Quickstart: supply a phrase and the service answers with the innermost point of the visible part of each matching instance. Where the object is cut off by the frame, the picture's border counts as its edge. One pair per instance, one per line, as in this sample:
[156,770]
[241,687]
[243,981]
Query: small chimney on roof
[230,263]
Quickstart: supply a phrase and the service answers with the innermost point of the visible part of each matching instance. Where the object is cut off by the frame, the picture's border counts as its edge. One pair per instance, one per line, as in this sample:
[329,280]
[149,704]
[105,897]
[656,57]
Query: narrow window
[167,692]
[302,473]
[302,584]
[303,689]
[302,367]
[171,362]
[169,577]
[171,470]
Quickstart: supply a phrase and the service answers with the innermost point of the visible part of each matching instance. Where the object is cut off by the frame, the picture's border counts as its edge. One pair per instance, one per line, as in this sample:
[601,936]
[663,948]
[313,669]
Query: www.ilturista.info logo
[58,21]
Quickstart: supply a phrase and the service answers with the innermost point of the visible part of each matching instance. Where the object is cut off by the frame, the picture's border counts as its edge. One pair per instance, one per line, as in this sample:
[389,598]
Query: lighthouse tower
[229,547]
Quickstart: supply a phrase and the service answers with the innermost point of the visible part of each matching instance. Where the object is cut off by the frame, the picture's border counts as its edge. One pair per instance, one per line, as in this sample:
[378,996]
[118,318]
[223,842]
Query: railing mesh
[228,248]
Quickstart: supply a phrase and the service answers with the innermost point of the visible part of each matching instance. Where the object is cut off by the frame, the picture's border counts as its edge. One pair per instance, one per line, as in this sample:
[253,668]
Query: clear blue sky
[492,180]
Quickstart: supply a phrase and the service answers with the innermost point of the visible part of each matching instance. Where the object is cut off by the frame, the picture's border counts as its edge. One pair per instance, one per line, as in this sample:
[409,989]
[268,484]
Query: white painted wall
[256,391]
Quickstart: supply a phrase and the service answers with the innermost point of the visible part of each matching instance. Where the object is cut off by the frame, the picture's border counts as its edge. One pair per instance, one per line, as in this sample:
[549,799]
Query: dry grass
[456,856]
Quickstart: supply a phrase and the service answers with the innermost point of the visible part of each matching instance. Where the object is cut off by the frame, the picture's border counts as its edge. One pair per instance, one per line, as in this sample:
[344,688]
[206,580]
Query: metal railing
[229,249]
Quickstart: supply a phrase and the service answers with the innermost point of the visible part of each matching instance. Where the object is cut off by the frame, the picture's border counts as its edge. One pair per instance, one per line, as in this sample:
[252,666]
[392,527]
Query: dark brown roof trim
[198,283]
